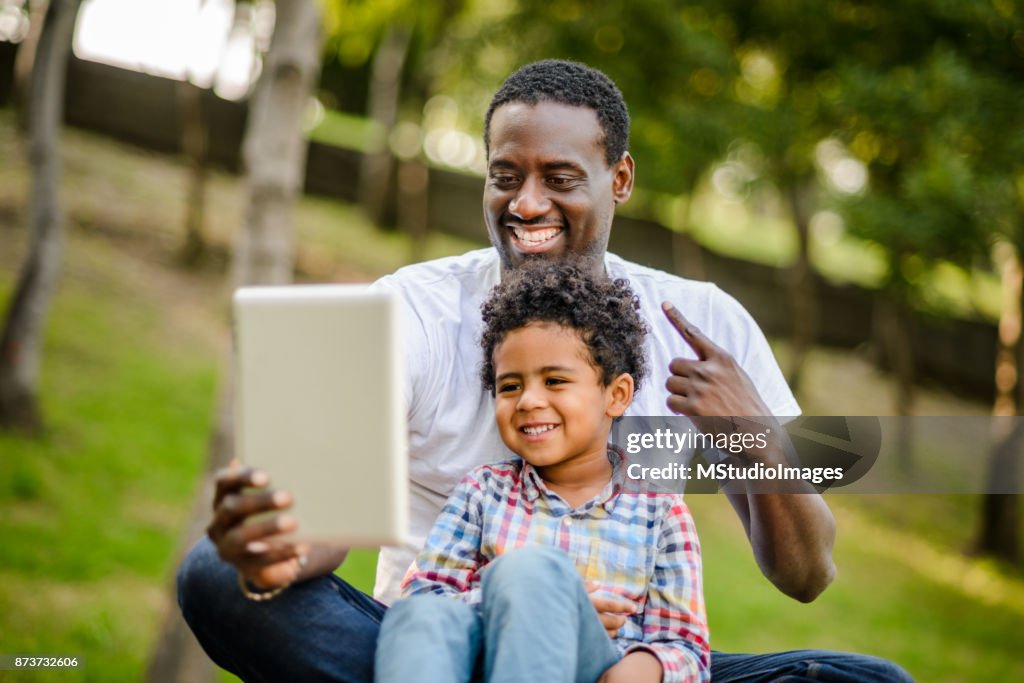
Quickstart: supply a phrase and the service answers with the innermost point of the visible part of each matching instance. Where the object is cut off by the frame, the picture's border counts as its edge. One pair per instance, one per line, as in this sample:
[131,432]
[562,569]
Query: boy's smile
[550,406]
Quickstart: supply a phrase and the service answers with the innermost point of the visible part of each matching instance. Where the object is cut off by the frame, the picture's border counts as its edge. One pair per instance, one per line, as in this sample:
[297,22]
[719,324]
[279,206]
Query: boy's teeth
[533,431]
[533,237]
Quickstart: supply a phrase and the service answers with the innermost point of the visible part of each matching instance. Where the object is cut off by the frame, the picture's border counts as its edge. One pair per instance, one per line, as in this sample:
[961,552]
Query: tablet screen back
[319,406]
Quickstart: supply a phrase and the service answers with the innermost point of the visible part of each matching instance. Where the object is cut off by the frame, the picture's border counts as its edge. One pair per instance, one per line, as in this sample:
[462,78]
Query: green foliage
[91,511]
[925,94]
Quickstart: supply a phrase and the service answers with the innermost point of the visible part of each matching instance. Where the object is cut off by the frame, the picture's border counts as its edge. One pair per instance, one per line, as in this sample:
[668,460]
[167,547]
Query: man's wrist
[257,594]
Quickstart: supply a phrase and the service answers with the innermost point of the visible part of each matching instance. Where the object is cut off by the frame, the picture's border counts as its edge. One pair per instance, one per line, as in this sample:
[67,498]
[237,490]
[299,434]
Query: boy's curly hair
[604,312]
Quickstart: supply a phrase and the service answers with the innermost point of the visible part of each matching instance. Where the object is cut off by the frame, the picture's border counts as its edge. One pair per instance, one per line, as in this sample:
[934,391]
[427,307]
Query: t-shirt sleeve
[415,343]
[675,628]
[450,560]
[733,328]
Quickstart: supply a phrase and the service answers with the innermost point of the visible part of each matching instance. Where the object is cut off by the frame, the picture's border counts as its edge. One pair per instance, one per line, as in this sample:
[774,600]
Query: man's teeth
[534,431]
[534,237]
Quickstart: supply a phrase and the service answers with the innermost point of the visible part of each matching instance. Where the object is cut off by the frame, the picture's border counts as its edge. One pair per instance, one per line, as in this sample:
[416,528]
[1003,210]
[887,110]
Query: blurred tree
[997,139]
[931,107]
[274,146]
[21,338]
[274,158]
[788,53]
[394,38]
[194,145]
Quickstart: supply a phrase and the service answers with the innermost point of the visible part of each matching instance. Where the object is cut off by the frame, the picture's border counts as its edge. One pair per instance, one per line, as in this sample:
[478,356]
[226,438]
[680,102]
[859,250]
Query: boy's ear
[620,394]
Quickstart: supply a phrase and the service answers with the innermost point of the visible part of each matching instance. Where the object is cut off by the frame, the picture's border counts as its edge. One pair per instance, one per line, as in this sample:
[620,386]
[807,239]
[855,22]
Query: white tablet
[319,406]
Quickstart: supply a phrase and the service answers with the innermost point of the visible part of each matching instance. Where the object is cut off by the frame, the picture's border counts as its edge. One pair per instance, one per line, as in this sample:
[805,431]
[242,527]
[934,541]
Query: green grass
[896,596]
[346,130]
[92,510]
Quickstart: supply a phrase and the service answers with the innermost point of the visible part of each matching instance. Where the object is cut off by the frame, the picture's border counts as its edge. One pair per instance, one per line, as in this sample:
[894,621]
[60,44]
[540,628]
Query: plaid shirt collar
[534,486]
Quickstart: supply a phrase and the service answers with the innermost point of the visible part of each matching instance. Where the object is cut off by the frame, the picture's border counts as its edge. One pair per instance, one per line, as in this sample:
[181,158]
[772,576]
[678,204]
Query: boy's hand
[256,549]
[612,612]
[639,666]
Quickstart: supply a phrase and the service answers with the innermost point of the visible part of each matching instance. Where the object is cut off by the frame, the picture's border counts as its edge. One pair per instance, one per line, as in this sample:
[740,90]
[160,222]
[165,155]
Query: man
[557,136]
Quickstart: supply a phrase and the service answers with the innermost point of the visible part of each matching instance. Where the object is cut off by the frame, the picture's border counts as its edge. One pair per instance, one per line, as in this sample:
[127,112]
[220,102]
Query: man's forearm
[792,536]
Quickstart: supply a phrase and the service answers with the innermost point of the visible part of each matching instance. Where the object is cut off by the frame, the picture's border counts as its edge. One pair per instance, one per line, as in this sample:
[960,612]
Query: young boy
[498,591]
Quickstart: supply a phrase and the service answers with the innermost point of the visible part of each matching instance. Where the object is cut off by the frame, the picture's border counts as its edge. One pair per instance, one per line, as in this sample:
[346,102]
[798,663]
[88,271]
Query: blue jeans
[325,630]
[534,607]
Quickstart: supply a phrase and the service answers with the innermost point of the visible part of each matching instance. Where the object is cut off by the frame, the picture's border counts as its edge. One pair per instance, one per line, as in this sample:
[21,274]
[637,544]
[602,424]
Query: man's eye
[561,181]
[503,180]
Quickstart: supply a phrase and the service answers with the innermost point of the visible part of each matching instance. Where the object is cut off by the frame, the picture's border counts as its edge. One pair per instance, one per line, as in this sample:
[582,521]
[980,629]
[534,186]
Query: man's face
[550,190]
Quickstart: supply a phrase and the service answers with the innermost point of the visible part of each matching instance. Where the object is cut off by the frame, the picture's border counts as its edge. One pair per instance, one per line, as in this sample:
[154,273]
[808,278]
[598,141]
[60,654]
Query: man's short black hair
[574,84]
[603,311]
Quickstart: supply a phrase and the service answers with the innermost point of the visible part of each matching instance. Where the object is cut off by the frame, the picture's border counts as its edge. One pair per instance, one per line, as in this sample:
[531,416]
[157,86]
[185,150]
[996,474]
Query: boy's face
[550,405]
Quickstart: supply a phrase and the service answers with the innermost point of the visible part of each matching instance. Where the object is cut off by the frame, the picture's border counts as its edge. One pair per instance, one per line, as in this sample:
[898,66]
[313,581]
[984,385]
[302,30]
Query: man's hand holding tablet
[264,557]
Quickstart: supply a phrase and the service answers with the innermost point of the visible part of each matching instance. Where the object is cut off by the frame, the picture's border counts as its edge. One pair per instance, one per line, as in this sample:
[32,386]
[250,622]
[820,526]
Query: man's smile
[534,238]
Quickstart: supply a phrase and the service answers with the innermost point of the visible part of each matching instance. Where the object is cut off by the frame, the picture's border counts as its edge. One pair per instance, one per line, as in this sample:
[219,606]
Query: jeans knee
[893,673]
[425,614]
[828,666]
[424,609]
[202,577]
[531,568]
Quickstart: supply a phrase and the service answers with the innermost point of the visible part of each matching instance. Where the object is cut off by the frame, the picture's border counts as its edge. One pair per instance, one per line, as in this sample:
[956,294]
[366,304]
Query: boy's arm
[675,626]
[451,555]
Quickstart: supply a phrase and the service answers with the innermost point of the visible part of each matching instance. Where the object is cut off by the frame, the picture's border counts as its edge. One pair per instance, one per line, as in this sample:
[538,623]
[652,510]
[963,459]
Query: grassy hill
[91,513]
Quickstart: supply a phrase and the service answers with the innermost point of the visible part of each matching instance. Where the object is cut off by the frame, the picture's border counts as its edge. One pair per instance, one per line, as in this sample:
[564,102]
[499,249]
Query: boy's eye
[506,387]
[550,381]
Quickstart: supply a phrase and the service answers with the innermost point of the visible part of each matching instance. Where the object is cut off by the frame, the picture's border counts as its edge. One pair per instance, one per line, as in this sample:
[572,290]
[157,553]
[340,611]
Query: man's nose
[530,202]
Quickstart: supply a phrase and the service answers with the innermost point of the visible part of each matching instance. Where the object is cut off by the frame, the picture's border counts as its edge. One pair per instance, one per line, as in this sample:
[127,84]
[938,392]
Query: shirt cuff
[677,666]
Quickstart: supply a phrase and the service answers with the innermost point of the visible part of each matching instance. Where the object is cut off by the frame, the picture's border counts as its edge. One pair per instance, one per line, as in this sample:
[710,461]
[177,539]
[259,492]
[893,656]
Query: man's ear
[620,395]
[622,181]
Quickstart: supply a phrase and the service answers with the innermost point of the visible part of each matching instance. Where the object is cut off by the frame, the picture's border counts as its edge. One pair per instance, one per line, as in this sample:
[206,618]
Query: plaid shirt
[639,546]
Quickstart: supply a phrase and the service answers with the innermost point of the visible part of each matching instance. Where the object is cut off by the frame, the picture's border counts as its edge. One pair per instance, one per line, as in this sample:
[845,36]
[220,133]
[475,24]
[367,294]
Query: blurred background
[851,170]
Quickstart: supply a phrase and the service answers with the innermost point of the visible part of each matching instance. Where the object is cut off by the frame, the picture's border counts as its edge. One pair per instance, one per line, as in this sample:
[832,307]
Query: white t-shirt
[451,417]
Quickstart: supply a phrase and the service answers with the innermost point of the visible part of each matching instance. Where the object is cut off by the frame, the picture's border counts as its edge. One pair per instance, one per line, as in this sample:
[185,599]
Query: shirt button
[567,521]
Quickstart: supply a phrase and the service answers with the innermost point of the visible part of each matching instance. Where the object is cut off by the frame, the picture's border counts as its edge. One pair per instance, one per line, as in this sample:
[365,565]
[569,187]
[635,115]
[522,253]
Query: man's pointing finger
[701,345]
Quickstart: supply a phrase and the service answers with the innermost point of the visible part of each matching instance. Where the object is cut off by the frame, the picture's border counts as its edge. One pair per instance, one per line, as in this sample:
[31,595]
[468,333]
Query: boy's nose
[530,398]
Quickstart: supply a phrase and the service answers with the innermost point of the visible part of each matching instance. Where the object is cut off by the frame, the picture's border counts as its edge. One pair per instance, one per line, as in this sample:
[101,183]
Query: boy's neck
[579,479]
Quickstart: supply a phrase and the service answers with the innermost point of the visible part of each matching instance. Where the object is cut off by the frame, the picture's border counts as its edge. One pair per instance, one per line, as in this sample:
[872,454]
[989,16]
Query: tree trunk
[194,144]
[275,161]
[22,332]
[24,61]
[275,145]
[802,283]
[687,258]
[893,321]
[385,92]
[413,186]
[999,529]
